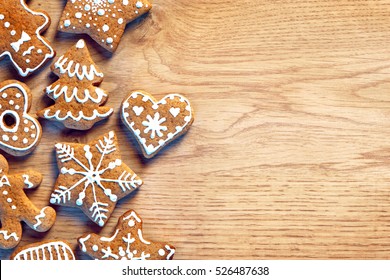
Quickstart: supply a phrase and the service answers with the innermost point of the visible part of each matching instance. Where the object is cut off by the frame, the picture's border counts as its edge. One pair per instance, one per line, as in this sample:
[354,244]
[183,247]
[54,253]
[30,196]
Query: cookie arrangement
[91,176]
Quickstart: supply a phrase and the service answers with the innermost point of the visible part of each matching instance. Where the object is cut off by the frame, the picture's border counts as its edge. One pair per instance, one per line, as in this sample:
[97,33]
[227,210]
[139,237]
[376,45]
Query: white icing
[25,72]
[38,218]
[29,50]
[139,4]
[16,117]
[161,252]
[62,250]
[171,252]
[174,111]
[94,176]
[8,236]
[82,242]
[80,71]
[22,115]
[137,110]
[27,181]
[153,125]
[23,39]
[83,97]
[80,116]
[141,238]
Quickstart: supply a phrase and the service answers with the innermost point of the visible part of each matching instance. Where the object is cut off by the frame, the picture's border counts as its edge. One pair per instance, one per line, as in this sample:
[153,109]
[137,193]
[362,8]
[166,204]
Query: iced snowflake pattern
[154,125]
[92,185]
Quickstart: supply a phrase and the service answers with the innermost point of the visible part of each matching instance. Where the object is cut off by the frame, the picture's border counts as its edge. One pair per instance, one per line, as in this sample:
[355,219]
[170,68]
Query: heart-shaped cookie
[20,133]
[156,123]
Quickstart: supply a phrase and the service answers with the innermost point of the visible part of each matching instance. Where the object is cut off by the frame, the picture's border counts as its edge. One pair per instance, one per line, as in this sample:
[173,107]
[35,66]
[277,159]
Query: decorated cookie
[16,207]
[93,177]
[77,99]
[45,250]
[127,243]
[103,20]
[20,132]
[21,39]
[156,123]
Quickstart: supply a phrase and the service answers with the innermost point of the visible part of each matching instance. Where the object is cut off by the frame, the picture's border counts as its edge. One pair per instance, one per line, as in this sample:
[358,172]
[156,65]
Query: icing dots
[15,122]
[104,20]
[127,243]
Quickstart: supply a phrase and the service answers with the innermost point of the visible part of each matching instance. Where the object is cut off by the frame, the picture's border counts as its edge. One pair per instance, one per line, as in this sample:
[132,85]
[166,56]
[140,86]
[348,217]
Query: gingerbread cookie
[21,39]
[156,123]
[45,250]
[20,132]
[77,99]
[103,20]
[93,177]
[127,243]
[16,207]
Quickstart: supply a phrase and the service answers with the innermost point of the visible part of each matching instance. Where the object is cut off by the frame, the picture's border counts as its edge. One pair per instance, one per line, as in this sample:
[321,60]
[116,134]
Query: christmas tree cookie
[93,177]
[20,33]
[77,99]
[103,20]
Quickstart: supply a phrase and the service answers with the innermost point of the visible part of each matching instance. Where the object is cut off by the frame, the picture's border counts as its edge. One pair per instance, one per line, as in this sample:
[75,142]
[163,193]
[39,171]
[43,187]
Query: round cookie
[20,133]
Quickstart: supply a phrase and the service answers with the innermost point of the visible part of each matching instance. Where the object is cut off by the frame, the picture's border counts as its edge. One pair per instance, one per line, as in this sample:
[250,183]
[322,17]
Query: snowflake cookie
[21,39]
[127,243]
[156,123]
[16,207]
[77,98]
[93,177]
[45,250]
[20,133]
[103,20]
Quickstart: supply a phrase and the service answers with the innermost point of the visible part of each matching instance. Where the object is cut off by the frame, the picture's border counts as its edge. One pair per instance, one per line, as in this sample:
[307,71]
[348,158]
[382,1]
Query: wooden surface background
[289,154]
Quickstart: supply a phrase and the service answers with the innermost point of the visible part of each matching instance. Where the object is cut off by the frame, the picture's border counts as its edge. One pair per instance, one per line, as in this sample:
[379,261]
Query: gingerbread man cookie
[78,100]
[16,207]
[156,123]
[46,250]
[127,243]
[20,133]
[93,177]
[103,20]
[21,39]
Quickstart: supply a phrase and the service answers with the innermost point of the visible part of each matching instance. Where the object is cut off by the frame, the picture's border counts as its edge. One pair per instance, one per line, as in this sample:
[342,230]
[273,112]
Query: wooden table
[289,154]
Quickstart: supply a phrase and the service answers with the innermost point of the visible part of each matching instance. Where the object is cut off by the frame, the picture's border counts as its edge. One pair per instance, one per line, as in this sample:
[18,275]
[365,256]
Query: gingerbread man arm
[31,179]
[10,232]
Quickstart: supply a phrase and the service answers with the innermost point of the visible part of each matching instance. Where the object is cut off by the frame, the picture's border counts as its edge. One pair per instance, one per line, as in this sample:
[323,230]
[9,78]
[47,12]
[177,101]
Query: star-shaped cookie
[127,243]
[93,177]
[103,20]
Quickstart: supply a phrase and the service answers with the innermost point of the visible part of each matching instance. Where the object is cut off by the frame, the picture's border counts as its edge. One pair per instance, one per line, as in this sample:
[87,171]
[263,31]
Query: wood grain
[289,154]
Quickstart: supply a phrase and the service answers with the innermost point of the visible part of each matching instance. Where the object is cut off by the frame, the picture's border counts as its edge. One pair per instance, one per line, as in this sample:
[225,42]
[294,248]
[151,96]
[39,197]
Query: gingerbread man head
[16,207]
